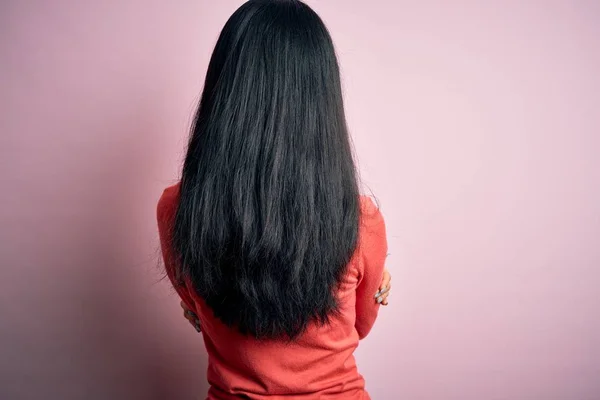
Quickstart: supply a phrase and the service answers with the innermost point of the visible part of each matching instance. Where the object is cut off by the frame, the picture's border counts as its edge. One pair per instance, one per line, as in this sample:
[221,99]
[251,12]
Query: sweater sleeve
[371,262]
[165,213]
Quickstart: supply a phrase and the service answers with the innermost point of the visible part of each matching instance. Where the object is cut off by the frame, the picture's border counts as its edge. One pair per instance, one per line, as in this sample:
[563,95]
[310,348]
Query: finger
[195,322]
[384,289]
[384,294]
[384,302]
[381,299]
[385,282]
[192,319]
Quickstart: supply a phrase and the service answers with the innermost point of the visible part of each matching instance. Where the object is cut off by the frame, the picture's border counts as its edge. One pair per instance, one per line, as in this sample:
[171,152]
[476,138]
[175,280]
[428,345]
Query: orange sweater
[320,363]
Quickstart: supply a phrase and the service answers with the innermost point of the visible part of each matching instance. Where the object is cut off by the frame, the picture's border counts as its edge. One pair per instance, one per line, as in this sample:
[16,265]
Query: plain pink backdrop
[477,126]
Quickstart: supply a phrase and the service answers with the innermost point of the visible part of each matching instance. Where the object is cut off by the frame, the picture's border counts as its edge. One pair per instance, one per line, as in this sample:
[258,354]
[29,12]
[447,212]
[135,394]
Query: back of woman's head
[269,206]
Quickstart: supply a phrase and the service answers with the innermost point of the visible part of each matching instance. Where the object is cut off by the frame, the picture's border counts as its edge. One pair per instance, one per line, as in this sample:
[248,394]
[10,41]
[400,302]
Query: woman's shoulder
[372,243]
[369,212]
[372,229]
[168,201]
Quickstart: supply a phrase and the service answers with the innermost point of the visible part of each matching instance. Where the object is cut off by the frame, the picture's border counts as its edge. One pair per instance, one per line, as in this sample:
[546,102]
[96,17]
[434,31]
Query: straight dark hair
[269,206]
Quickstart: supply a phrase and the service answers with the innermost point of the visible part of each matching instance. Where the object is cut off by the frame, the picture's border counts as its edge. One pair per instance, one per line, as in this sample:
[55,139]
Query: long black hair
[269,206]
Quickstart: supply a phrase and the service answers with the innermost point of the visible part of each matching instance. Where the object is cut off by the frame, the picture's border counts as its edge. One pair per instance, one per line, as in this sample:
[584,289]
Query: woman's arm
[165,214]
[372,255]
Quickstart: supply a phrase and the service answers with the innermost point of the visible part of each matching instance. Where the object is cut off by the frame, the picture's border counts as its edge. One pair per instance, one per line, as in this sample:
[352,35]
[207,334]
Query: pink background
[477,127]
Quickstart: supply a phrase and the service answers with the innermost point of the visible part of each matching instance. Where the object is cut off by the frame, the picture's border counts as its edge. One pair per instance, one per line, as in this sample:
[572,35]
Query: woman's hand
[384,290]
[191,317]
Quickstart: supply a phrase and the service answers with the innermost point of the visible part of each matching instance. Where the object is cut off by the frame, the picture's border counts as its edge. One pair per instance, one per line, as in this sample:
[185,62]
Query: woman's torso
[318,365]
